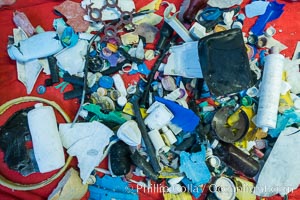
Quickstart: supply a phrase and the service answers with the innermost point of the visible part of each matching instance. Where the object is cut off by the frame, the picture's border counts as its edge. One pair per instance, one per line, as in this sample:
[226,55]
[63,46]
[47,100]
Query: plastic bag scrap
[87,142]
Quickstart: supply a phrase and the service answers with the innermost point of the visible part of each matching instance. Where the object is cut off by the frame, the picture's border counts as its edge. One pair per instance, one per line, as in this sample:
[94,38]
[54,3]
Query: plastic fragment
[287,166]
[87,142]
[37,46]
[21,20]
[74,14]
[274,11]
[256,8]
[184,118]
[194,166]
[107,188]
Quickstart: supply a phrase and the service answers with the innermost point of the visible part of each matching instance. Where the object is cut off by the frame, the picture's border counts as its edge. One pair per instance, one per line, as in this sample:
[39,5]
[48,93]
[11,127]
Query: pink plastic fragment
[21,20]
[74,14]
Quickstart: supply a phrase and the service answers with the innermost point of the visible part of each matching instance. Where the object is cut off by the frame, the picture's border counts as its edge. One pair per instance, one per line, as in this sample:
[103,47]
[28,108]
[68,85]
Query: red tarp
[40,12]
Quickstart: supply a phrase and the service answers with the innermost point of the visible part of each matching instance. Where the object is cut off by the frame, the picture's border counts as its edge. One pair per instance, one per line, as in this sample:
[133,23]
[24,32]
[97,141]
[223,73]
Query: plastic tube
[269,91]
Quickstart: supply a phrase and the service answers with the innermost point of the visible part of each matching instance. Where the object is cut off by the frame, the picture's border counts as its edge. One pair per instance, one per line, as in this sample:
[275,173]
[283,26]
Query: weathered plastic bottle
[269,91]
[236,159]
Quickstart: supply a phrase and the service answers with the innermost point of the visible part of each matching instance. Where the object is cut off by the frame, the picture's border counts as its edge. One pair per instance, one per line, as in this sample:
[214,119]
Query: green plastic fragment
[113,116]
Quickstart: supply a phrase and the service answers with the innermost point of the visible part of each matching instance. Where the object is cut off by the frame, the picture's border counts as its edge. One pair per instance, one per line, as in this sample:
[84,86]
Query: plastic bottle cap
[270,31]
[106,82]
[41,89]
[122,101]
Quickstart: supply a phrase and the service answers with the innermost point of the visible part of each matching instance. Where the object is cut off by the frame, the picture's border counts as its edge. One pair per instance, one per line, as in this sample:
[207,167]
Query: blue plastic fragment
[262,57]
[142,68]
[256,8]
[211,14]
[184,118]
[195,190]
[274,11]
[107,188]
[69,38]
[194,166]
[288,118]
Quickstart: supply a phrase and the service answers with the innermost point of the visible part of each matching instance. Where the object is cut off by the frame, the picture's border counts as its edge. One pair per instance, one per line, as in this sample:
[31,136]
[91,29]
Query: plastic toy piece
[274,11]
[107,188]
[194,166]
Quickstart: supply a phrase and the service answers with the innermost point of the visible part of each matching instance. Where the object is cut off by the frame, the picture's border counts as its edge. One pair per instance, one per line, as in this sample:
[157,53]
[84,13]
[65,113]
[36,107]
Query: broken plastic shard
[284,161]
[183,117]
[158,116]
[274,11]
[194,166]
[180,62]
[70,187]
[147,31]
[72,59]
[107,188]
[224,4]
[130,133]
[13,136]
[74,14]
[21,20]
[256,8]
[81,140]
[37,46]
[119,159]
[222,55]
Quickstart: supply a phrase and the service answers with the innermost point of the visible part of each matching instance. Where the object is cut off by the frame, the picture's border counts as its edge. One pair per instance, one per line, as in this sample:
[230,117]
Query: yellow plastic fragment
[128,109]
[244,189]
[180,196]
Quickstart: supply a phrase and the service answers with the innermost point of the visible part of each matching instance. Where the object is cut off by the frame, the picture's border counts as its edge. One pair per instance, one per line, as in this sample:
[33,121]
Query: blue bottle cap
[106,82]
[41,89]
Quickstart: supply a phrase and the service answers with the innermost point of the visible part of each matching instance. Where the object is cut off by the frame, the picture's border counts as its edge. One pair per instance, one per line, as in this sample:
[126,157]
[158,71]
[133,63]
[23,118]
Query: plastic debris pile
[185,100]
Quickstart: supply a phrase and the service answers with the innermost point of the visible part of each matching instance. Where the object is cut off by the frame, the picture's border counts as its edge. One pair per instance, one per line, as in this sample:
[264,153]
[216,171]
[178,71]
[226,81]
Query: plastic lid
[122,101]
[106,82]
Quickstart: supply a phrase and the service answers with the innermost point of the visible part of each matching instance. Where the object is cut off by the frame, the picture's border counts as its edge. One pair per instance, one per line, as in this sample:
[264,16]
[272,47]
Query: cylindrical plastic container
[269,92]
[47,146]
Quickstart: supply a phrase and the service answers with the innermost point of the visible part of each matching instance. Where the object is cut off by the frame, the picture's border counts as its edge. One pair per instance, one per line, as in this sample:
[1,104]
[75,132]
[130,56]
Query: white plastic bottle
[269,91]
